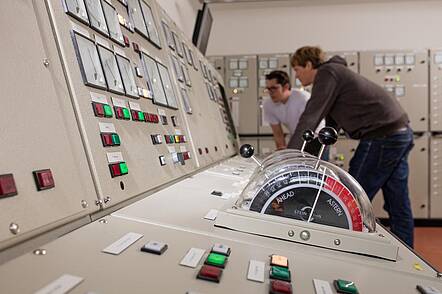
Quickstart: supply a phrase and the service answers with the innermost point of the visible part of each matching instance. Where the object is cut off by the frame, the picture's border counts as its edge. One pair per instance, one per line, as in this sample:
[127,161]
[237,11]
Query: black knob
[246,150]
[328,136]
[308,135]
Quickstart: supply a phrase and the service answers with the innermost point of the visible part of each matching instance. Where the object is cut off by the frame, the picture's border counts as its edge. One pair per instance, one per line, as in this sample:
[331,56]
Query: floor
[428,244]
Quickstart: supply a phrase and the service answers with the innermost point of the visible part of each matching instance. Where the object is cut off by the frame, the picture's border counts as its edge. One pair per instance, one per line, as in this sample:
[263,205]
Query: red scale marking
[347,198]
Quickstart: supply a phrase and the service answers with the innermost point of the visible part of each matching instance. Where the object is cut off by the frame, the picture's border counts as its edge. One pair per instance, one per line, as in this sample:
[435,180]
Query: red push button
[119,112]
[210,273]
[135,115]
[98,109]
[106,138]
[115,170]
[7,186]
[280,287]
[43,179]
[126,41]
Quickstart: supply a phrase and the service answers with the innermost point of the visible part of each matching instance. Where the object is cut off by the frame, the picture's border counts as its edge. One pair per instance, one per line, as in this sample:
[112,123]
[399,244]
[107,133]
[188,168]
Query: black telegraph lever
[247,151]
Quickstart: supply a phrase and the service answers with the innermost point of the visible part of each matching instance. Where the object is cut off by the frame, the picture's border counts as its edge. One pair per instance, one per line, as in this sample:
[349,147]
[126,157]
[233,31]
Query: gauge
[185,70]
[96,16]
[134,9]
[438,57]
[110,13]
[389,59]
[111,72]
[150,24]
[378,60]
[186,101]
[399,59]
[153,79]
[243,82]
[294,193]
[209,91]
[89,61]
[263,63]
[165,78]
[209,75]
[203,69]
[187,54]
[127,74]
[179,48]
[177,68]
[273,63]
[233,64]
[77,9]
[243,64]
[168,35]
[193,59]
[409,59]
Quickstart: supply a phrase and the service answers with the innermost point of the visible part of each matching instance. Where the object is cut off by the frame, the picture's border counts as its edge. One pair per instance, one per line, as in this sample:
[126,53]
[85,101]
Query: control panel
[404,74]
[435,90]
[435,176]
[242,87]
[266,64]
[351,57]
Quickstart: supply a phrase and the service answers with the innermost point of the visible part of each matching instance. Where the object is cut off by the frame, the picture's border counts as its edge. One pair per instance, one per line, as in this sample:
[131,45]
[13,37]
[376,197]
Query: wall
[276,26]
[183,12]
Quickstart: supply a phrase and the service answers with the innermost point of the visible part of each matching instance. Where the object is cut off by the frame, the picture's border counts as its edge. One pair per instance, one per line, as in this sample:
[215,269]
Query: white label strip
[183,148]
[161,112]
[95,97]
[80,30]
[192,257]
[119,102]
[107,127]
[134,106]
[122,244]
[102,41]
[62,285]
[322,287]
[178,132]
[211,215]
[119,51]
[171,149]
[114,157]
[256,271]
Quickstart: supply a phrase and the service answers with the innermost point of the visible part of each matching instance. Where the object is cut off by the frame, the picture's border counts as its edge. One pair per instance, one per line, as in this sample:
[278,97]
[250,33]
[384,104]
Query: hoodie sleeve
[323,97]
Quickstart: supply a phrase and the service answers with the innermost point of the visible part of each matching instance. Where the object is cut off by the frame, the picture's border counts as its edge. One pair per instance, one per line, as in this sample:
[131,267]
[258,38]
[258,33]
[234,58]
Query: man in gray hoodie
[366,112]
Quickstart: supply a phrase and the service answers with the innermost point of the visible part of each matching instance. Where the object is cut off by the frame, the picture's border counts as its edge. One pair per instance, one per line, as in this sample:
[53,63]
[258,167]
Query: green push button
[123,168]
[343,286]
[116,139]
[107,111]
[216,259]
[126,113]
[140,116]
[280,273]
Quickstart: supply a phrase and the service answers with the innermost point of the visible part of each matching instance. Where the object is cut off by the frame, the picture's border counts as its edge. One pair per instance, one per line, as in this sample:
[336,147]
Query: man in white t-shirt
[285,107]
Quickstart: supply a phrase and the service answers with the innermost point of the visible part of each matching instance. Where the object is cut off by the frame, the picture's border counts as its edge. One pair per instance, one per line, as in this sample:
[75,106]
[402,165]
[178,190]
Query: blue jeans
[381,163]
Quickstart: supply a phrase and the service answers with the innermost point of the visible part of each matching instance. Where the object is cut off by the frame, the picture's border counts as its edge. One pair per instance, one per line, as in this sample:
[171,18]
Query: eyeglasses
[272,88]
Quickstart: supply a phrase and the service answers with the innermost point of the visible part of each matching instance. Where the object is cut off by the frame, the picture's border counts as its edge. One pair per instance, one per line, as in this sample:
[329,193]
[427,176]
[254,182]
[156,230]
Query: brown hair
[308,53]
[280,76]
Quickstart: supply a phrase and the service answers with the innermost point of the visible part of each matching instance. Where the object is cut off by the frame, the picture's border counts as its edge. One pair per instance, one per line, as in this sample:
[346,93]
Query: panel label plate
[256,271]
[122,244]
[118,102]
[193,257]
[107,127]
[114,157]
[62,285]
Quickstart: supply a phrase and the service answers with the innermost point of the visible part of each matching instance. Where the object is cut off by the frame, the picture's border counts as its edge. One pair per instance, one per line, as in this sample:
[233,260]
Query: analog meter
[96,16]
[111,72]
[113,24]
[77,9]
[89,61]
[136,15]
[128,76]
[167,84]
[154,80]
[150,24]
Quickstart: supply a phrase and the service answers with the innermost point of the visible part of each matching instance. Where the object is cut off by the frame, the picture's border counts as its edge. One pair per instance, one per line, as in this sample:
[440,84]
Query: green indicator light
[116,139]
[126,113]
[346,287]
[107,110]
[216,259]
[140,116]
[123,168]
[280,273]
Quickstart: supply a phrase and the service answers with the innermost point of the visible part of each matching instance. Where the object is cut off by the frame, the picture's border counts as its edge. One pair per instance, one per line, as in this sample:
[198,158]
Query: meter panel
[153,78]
[111,71]
[77,9]
[436,176]
[150,24]
[167,84]
[435,90]
[96,16]
[113,24]
[128,77]
[408,82]
[136,15]
[351,57]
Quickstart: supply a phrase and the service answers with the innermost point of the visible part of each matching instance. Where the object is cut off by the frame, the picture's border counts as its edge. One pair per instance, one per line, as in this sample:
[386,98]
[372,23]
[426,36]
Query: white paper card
[161,112]
[62,285]
[118,102]
[193,257]
[212,214]
[122,244]
[95,97]
[114,157]
[107,127]
[322,287]
[134,106]
[256,271]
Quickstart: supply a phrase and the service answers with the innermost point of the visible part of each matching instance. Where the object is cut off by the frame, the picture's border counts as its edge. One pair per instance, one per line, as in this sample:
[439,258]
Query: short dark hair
[281,76]
[314,54]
